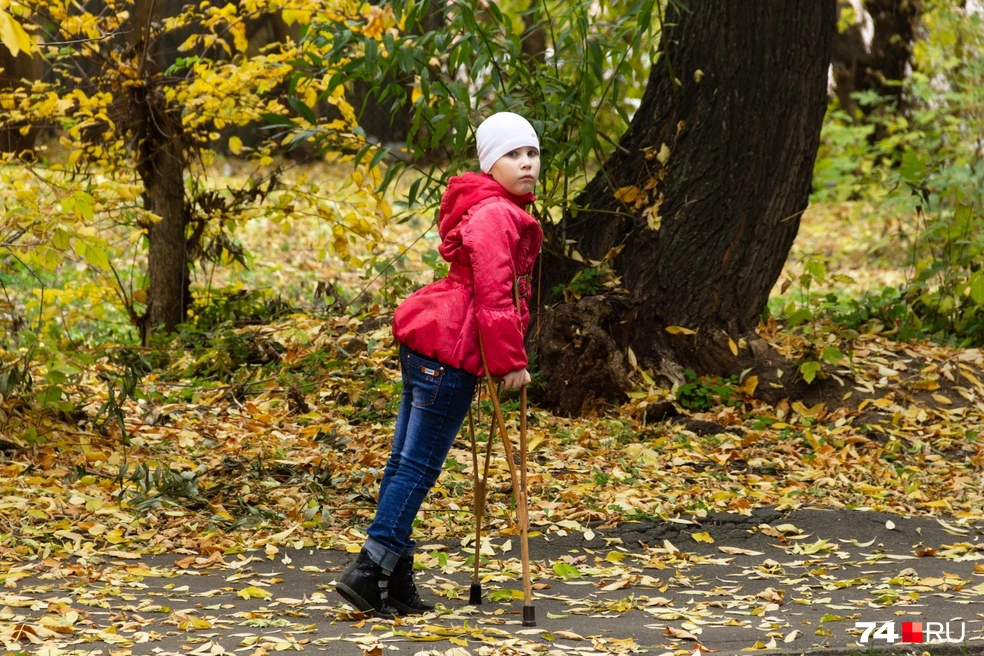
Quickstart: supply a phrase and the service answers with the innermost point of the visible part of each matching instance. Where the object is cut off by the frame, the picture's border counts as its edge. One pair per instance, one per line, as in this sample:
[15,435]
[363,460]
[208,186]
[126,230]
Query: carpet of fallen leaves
[224,472]
[308,478]
[221,475]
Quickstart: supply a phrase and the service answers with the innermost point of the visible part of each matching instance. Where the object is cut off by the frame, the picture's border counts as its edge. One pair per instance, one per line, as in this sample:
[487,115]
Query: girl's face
[518,170]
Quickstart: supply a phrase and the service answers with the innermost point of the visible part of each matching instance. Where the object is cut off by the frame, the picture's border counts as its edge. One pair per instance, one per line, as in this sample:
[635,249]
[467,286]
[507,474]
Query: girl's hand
[516,379]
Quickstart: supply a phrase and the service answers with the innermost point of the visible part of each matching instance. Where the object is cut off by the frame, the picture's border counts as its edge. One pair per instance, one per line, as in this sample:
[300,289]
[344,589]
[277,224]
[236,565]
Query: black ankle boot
[402,591]
[365,585]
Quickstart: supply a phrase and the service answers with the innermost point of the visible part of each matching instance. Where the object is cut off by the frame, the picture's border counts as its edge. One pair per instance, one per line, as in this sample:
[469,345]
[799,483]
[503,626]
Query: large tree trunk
[719,157]
[161,163]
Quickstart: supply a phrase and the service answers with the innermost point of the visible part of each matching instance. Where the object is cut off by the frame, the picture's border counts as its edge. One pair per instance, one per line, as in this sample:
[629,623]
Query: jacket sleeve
[491,239]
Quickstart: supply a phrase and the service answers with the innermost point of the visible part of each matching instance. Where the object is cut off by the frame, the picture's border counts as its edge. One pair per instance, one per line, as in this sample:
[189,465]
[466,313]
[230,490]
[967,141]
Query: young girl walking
[491,243]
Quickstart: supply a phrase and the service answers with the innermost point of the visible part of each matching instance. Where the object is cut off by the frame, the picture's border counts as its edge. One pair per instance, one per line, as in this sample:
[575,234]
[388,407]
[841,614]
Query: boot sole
[406,610]
[349,595]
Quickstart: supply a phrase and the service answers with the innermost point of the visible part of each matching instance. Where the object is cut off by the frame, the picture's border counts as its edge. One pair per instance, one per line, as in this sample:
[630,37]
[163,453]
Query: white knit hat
[501,133]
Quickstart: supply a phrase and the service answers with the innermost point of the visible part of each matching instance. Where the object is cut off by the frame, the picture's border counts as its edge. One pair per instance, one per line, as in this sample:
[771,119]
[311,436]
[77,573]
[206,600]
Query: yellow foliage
[13,36]
[82,205]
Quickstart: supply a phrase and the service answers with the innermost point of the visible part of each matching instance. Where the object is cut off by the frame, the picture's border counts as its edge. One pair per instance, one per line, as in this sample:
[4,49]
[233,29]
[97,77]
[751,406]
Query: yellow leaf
[758,645]
[703,536]
[680,330]
[674,632]
[189,43]
[627,194]
[239,36]
[733,347]
[292,16]
[653,220]
[971,378]
[664,154]
[939,398]
[13,35]
[748,387]
[195,623]
[253,592]
[235,145]
[461,642]
[738,550]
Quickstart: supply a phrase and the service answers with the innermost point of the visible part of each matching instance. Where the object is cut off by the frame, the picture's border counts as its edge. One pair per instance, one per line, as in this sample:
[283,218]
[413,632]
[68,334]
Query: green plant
[924,173]
[586,282]
[576,86]
[705,392]
[163,487]
[211,307]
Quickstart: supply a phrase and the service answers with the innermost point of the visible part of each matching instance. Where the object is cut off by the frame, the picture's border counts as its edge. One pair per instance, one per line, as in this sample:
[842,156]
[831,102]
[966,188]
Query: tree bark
[719,158]
[161,162]
[162,169]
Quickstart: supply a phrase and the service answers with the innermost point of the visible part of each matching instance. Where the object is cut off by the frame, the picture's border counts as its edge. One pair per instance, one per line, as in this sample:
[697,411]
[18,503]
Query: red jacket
[489,240]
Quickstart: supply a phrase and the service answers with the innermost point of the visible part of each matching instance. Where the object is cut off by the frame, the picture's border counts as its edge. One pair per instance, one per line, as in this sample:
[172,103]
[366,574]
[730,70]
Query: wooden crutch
[480,492]
[518,483]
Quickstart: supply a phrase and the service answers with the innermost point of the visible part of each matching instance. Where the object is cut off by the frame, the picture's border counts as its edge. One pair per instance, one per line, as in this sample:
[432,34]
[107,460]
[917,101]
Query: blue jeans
[433,406]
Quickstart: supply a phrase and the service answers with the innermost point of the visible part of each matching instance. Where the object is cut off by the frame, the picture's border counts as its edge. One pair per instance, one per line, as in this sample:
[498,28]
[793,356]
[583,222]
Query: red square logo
[912,632]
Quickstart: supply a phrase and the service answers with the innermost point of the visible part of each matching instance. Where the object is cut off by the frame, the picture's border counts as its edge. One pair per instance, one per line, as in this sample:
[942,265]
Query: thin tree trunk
[161,162]
[17,73]
[714,173]
[880,66]
[535,36]
[163,173]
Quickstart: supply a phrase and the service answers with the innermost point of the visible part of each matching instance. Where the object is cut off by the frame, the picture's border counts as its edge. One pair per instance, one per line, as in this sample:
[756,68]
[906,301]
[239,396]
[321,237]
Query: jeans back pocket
[426,376]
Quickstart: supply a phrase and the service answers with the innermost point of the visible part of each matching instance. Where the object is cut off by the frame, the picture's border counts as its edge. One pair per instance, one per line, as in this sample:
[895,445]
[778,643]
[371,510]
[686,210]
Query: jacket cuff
[502,339]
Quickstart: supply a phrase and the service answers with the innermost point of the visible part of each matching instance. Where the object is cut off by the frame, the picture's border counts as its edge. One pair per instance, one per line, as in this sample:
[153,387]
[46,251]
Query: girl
[491,243]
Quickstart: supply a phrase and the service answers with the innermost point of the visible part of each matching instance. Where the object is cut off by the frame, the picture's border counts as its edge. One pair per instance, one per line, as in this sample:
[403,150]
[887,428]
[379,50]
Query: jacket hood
[464,191]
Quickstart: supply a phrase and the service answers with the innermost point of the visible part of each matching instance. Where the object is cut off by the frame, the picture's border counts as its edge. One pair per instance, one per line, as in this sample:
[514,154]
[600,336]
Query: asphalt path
[774,582]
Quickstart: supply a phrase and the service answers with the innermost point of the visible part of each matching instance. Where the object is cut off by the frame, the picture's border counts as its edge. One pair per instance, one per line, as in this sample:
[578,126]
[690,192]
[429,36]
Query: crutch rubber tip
[529,616]
[475,594]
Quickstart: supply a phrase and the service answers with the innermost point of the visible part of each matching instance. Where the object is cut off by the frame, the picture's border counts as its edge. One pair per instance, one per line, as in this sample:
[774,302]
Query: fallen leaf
[738,551]
[679,633]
